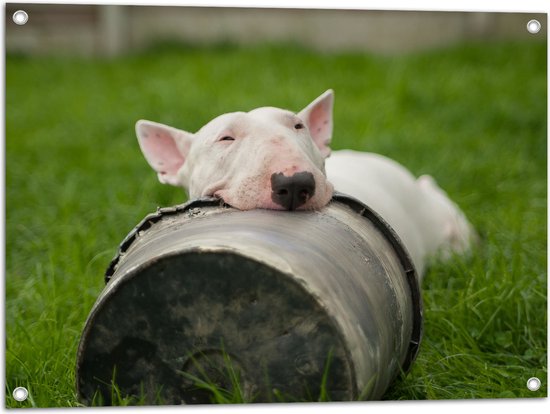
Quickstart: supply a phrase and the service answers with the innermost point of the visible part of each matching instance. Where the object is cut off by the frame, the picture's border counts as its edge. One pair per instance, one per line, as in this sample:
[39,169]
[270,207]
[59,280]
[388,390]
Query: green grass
[473,116]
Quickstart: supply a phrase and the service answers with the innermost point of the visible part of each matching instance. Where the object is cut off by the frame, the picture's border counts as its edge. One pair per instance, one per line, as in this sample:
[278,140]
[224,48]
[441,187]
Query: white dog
[274,159]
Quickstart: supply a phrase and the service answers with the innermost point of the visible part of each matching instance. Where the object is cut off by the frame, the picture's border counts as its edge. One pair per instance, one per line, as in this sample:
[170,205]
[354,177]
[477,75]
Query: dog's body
[275,159]
[425,219]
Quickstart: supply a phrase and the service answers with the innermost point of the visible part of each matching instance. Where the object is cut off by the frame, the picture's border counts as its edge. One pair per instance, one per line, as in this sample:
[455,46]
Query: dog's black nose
[294,191]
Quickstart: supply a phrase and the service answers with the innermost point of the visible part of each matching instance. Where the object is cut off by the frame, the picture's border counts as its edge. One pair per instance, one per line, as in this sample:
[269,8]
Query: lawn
[473,116]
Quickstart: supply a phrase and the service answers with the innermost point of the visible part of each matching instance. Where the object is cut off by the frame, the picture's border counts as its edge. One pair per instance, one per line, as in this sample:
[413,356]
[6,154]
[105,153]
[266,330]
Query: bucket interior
[212,316]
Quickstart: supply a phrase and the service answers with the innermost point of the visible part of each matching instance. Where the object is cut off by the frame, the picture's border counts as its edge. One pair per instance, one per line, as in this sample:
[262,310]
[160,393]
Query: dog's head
[266,158]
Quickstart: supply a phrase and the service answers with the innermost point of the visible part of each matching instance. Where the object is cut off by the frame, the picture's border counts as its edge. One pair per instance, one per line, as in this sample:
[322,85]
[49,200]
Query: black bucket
[284,305]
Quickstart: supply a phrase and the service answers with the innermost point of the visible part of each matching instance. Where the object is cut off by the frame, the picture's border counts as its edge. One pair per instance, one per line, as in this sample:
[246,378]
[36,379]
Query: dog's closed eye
[227,138]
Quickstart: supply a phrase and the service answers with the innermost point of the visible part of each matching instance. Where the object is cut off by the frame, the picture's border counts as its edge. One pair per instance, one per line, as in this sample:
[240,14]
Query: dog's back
[422,215]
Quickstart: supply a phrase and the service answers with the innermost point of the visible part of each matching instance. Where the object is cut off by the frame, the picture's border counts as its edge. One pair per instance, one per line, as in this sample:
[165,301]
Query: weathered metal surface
[286,296]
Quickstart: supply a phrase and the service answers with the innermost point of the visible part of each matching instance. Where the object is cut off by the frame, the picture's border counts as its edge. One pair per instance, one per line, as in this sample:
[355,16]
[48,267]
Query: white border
[426,407]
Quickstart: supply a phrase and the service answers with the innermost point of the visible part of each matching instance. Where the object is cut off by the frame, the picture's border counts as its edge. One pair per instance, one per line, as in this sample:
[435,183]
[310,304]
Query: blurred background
[110,30]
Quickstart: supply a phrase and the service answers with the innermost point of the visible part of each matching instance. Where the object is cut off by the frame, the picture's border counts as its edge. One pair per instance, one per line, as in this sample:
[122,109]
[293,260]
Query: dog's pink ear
[318,118]
[165,149]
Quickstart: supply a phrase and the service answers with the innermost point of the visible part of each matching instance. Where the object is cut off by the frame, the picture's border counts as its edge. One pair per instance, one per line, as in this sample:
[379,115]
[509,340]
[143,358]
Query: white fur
[421,214]
[234,156]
